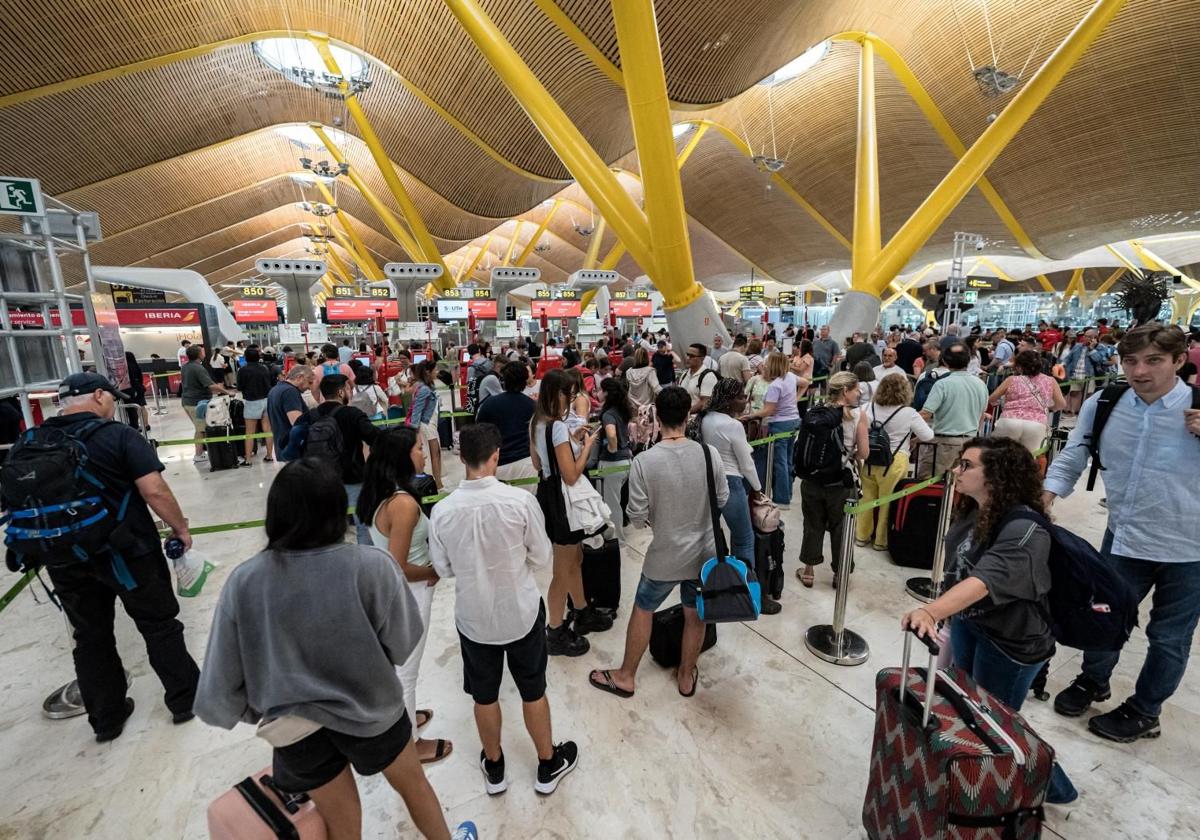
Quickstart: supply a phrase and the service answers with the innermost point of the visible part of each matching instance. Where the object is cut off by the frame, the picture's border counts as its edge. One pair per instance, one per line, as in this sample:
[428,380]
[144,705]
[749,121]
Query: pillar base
[696,323]
[858,312]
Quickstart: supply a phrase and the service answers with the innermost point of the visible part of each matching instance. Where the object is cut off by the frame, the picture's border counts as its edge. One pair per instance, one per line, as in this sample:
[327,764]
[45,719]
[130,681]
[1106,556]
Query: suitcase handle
[266,810]
[931,681]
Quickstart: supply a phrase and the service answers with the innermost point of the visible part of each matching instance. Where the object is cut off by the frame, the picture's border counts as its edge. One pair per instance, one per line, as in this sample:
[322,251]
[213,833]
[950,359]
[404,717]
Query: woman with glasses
[997,579]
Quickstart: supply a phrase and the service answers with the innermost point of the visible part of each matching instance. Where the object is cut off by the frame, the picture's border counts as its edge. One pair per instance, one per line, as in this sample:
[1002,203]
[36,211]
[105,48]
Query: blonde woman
[892,410]
[781,414]
[822,500]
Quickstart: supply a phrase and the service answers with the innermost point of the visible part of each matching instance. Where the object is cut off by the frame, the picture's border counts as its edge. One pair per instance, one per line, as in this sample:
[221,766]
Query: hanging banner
[112,348]
[256,311]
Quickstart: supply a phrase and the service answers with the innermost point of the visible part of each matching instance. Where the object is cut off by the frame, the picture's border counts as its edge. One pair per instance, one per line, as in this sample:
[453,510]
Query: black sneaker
[114,732]
[493,774]
[1124,724]
[770,606]
[563,641]
[1075,699]
[550,772]
[590,620]
[182,717]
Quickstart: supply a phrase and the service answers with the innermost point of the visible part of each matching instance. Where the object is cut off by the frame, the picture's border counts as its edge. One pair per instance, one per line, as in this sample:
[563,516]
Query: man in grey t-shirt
[826,349]
[683,540]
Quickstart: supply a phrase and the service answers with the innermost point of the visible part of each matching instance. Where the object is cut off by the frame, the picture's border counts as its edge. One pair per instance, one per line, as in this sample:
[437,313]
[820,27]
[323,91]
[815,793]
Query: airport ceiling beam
[1152,260]
[581,160]
[357,249]
[537,234]
[427,248]
[965,174]
[512,243]
[478,256]
[916,278]
[339,267]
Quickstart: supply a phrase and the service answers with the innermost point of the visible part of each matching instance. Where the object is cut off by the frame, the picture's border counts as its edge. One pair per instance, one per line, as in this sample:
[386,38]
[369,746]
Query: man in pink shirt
[329,365]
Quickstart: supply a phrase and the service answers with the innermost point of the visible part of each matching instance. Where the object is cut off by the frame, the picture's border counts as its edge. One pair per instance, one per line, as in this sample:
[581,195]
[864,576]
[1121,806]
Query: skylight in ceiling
[299,60]
[806,61]
[680,129]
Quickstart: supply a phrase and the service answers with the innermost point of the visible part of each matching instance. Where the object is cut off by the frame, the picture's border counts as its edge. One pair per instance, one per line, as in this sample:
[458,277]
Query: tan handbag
[286,730]
[764,514]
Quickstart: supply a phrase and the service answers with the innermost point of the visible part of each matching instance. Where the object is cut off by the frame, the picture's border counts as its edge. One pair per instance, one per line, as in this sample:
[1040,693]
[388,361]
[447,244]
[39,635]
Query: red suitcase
[958,764]
[255,809]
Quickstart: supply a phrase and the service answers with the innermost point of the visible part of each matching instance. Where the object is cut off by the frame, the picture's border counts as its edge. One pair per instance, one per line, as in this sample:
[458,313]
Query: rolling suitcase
[912,525]
[445,427]
[951,761]
[222,454]
[255,809]
[666,636]
[602,576]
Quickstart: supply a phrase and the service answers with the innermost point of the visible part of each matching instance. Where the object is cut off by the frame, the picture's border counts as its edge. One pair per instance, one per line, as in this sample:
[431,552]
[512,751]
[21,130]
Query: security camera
[979,245]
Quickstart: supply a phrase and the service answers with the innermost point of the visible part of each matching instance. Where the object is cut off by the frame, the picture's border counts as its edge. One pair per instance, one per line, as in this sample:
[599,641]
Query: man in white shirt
[734,364]
[889,365]
[181,354]
[699,380]
[490,537]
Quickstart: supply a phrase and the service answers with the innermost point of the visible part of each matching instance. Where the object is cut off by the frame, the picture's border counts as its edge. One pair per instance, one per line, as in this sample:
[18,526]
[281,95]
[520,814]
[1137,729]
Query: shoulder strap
[550,454]
[1105,404]
[718,534]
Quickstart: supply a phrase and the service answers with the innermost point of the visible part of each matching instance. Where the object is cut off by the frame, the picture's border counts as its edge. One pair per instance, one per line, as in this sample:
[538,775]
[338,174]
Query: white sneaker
[200,459]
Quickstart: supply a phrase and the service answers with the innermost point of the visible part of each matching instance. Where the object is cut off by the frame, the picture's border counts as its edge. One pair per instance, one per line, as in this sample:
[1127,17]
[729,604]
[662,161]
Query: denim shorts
[651,593]
[254,409]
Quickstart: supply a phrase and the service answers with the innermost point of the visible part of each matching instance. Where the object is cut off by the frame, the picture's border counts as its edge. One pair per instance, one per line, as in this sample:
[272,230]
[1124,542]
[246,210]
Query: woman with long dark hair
[615,451]
[390,506]
[423,415]
[997,578]
[309,631]
[561,456]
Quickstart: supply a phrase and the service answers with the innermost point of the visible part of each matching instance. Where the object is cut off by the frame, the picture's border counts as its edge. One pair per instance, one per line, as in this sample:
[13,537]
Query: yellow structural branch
[565,139]
[512,243]
[1124,260]
[1153,260]
[478,256]
[650,114]
[427,248]
[913,281]
[339,268]
[965,174]
[867,236]
[1108,284]
[537,234]
[357,248]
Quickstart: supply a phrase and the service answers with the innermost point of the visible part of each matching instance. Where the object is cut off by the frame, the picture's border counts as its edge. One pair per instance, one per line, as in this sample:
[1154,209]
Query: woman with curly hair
[997,579]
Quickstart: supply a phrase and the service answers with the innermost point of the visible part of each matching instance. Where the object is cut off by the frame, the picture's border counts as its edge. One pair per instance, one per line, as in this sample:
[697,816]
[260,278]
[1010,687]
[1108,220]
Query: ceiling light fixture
[804,62]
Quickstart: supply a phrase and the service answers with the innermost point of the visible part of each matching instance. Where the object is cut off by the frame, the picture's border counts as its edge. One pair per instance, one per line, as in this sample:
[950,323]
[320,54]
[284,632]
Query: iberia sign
[126,316]
[256,311]
[361,309]
[556,308]
[631,308]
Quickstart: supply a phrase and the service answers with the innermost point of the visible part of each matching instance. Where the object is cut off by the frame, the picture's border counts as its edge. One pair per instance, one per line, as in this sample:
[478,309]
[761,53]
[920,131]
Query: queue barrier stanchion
[927,589]
[836,642]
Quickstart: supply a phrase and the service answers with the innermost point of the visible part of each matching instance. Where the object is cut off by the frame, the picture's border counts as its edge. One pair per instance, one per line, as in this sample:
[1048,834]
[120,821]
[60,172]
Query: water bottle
[174,548]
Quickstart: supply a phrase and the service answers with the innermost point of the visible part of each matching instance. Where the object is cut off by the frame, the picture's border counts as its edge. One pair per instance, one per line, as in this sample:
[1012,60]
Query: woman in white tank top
[391,508]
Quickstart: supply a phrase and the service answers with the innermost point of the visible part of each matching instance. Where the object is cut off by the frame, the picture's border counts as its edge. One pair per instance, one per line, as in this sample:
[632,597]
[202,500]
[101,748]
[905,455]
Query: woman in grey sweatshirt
[310,631]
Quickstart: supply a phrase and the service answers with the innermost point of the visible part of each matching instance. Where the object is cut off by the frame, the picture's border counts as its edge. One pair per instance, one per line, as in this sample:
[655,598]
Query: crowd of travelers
[326,634]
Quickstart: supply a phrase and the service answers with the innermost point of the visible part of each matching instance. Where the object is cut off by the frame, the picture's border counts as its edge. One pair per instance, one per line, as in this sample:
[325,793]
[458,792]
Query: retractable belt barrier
[395,421]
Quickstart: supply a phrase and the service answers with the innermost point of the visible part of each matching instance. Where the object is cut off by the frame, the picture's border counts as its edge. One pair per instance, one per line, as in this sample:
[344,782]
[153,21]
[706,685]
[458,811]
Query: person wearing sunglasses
[997,579]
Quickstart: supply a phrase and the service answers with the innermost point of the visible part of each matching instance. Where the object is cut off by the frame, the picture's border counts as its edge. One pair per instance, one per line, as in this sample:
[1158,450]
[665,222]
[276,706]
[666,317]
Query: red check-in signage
[557,308]
[483,309]
[256,311]
[361,309]
[631,308]
[137,316]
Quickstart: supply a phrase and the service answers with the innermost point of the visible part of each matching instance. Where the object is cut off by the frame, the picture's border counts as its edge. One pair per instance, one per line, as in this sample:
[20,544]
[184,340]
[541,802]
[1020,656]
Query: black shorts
[554,511]
[483,665]
[317,760]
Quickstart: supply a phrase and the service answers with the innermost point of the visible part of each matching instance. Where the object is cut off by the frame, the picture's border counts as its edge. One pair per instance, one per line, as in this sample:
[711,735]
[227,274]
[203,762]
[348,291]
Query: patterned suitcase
[958,764]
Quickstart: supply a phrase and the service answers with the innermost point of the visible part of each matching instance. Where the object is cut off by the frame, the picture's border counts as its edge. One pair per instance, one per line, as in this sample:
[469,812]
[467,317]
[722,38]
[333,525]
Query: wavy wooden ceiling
[182,163]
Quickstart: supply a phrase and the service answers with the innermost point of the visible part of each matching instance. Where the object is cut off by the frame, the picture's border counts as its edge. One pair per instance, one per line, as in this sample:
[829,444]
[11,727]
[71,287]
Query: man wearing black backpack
[337,434]
[1148,433]
[123,557]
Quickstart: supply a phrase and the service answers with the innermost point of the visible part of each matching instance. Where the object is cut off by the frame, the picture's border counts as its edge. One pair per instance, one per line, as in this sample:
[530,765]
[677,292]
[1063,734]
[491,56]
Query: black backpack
[921,393]
[1092,607]
[324,438]
[56,513]
[879,443]
[1105,404]
[473,394]
[820,448]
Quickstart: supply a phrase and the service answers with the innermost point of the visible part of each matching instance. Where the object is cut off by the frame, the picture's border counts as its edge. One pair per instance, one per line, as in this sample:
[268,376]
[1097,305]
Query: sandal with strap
[695,682]
[442,750]
[806,578]
[424,721]
[606,684]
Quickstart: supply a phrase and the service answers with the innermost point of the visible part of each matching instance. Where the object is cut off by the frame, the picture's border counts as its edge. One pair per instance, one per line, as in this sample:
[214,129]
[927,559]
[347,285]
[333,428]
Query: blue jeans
[1173,617]
[1004,677]
[362,532]
[737,517]
[781,472]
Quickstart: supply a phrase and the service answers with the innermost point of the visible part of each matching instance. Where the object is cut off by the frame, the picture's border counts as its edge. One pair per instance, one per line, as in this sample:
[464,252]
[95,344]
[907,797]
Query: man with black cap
[130,472]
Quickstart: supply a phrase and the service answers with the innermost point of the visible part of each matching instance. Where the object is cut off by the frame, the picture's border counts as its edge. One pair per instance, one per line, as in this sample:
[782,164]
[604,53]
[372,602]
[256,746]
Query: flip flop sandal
[428,713]
[607,684]
[695,682]
[444,748]
[805,578]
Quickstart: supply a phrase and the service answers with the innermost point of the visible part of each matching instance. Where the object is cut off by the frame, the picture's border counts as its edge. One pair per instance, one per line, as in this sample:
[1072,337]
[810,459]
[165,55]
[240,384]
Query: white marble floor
[774,744]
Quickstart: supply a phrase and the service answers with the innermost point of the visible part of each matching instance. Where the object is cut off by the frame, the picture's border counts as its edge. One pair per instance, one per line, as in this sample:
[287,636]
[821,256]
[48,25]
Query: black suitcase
[602,575]
[222,455]
[912,526]
[445,427]
[768,562]
[666,636]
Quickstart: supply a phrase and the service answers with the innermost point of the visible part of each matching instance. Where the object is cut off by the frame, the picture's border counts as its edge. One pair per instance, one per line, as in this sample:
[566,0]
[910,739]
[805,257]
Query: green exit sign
[21,197]
[970,296]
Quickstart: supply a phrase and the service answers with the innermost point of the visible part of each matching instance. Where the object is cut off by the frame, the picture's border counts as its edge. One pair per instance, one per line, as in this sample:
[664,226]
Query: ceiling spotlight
[768,164]
[318,209]
[583,230]
[993,81]
[542,247]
